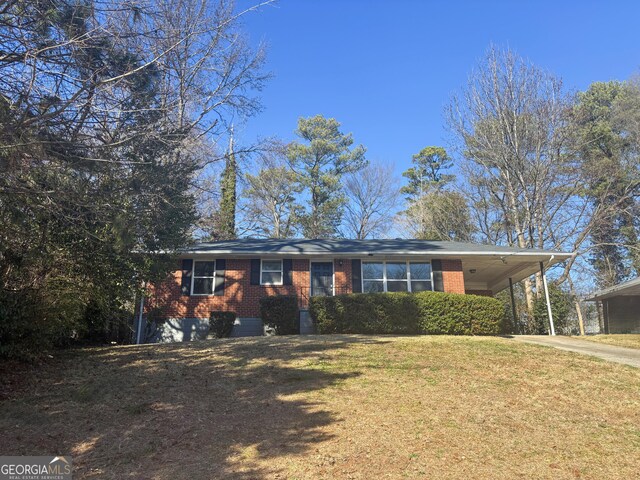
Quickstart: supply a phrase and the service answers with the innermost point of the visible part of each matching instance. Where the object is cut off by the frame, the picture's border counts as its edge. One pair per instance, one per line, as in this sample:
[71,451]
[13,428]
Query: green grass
[330,407]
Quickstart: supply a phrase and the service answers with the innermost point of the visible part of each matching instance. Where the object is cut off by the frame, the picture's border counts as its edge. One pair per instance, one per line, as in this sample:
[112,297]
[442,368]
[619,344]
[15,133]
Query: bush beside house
[454,314]
[405,313]
[221,324]
[281,314]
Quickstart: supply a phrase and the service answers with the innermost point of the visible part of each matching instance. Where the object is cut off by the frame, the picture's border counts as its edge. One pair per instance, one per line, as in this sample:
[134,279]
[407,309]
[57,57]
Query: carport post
[513,306]
[552,330]
[140,322]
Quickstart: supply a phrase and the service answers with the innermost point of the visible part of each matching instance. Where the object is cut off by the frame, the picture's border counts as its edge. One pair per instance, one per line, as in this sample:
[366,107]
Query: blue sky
[386,70]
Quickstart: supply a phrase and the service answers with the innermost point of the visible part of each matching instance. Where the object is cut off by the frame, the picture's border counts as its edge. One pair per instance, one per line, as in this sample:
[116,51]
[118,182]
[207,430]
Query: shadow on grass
[215,409]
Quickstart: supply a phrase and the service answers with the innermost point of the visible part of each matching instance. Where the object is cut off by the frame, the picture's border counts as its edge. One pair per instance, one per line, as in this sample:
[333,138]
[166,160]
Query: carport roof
[632,287]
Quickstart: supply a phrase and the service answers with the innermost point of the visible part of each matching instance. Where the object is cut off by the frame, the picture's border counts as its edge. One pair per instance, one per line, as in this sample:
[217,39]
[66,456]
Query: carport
[493,271]
[620,307]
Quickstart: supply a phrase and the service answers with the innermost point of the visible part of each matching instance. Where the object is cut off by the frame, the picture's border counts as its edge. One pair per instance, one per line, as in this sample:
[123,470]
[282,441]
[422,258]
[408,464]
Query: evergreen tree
[227,214]
[427,172]
[433,212]
[319,165]
[609,167]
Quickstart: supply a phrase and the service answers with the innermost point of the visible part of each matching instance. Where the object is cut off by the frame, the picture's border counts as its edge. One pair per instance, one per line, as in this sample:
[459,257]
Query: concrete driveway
[628,356]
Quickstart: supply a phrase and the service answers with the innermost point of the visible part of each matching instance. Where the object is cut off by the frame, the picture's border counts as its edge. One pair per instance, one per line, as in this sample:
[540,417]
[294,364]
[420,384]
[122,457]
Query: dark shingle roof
[247,246]
[630,287]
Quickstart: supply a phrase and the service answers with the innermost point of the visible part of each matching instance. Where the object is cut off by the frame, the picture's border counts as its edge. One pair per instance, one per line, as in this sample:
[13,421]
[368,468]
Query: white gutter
[368,254]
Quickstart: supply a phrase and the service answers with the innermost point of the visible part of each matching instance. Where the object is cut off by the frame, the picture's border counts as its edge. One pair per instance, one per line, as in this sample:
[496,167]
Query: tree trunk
[580,319]
[528,289]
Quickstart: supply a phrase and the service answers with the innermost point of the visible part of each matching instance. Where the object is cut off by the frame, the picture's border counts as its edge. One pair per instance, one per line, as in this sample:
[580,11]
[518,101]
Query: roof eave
[432,253]
[615,290]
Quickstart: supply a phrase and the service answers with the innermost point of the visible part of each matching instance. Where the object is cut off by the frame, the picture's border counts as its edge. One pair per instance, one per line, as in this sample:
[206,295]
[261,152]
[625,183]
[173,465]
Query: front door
[321,278]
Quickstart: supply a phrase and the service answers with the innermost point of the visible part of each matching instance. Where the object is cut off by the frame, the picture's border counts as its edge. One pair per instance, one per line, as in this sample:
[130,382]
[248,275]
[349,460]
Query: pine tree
[320,164]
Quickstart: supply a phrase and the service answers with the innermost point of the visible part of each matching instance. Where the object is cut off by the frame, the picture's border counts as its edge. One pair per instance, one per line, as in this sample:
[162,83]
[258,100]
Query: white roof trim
[559,255]
[615,290]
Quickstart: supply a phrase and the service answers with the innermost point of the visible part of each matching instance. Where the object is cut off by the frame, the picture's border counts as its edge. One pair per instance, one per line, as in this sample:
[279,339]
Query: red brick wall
[243,298]
[452,276]
[483,293]
[342,274]
[239,295]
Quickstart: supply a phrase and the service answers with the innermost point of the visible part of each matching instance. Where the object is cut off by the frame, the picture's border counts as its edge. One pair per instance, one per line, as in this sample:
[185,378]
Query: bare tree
[183,64]
[372,195]
[207,71]
[268,203]
[511,126]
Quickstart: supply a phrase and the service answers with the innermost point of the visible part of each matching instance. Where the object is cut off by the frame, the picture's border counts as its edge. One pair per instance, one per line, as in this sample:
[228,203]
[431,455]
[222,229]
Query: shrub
[365,313]
[280,313]
[105,321]
[221,324]
[34,321]
[455,314]
[561,305]
[406,313]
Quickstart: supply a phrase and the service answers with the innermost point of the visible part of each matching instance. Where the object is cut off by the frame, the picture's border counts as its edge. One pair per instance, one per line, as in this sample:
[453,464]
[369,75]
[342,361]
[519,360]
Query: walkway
[628,356]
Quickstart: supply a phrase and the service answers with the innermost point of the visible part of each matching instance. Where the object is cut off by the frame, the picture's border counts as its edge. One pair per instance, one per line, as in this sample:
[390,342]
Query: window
[372,277]
[396,277]
[420,276]
[271,272]
[203,278]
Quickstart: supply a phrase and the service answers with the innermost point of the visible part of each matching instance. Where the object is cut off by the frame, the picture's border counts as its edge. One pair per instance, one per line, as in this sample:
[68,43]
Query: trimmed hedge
[365,313]
[455,314]
[280,312]
[409,313]
[221,324]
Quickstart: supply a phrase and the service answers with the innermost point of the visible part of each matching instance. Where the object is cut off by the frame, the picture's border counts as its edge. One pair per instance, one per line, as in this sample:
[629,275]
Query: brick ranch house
[234,275]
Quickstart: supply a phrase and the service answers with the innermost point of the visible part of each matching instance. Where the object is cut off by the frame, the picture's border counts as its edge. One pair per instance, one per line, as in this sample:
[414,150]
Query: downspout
[552,330]
[139,332]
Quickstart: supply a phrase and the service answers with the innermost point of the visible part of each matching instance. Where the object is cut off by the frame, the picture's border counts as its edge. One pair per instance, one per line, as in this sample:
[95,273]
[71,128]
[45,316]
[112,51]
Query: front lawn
[329,407]
[629,340]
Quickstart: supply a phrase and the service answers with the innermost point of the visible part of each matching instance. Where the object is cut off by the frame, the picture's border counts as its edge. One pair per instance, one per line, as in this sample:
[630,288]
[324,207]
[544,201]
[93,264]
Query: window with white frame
[396,277]
[203,277]
[372,277]
[271,272]
[420,274]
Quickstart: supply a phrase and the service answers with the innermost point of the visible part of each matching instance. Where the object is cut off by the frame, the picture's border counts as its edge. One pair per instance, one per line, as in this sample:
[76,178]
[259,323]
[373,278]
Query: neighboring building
[620,307]
[234,275]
